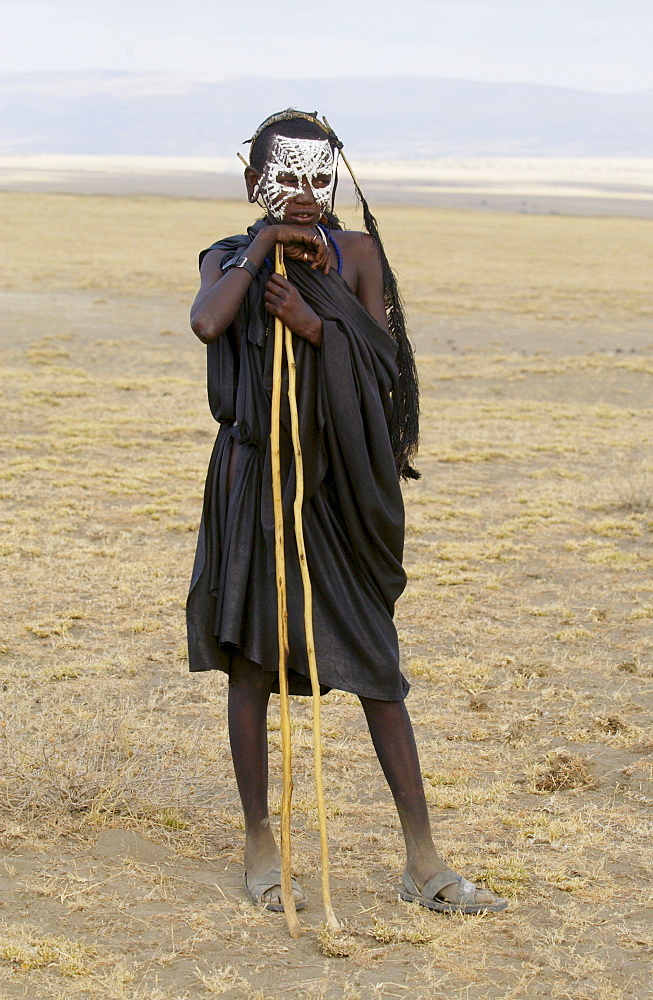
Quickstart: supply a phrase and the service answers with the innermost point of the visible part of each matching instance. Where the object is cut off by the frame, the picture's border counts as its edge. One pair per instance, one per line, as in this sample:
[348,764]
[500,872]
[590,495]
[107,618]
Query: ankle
[259,837]
[424,864]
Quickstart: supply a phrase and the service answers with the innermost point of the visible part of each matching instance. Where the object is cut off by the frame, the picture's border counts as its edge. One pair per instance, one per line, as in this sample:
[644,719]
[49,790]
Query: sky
[598,45]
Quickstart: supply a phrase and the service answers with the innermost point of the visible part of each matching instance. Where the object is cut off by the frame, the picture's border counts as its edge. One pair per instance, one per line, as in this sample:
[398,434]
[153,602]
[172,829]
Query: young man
[358,410]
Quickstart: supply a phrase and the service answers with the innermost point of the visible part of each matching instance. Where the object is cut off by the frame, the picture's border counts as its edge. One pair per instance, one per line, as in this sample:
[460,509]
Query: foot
[482,897]
[448,891]
[266,890]
[262,874]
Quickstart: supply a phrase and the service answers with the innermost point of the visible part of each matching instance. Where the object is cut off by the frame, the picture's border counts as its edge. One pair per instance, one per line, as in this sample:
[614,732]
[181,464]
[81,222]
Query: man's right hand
[299,244]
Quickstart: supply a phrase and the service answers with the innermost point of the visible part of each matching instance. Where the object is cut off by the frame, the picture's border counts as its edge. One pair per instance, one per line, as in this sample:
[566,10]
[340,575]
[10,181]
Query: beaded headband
[288,115]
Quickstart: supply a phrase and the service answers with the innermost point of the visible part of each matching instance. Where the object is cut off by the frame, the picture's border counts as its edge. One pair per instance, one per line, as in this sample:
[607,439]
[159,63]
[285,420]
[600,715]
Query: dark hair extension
[404,424]
[331,220]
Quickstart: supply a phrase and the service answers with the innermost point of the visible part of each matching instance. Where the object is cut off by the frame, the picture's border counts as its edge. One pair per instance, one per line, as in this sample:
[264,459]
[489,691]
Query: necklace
[326,235]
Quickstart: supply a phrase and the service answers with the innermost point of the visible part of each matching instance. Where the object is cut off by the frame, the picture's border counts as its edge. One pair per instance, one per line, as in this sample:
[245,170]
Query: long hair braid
[404,423]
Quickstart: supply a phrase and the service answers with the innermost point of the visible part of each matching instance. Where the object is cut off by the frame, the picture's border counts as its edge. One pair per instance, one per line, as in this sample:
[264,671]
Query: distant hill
[388,117]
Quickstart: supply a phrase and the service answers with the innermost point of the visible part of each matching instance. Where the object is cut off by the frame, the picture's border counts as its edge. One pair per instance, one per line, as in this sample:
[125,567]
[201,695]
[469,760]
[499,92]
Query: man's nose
[305,196]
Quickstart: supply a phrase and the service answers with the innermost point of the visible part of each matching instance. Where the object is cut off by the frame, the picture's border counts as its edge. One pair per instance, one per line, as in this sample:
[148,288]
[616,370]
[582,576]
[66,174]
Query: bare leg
[392,734]
[249,694]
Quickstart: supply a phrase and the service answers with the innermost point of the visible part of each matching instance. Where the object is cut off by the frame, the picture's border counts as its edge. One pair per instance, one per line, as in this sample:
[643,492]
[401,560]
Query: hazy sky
[602,45]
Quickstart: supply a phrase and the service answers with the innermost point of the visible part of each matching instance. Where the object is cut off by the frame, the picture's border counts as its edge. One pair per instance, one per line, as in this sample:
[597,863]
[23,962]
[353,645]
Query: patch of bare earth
[525,629]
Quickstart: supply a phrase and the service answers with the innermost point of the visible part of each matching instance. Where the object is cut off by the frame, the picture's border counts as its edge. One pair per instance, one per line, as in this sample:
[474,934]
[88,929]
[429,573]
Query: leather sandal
[428,895]
[257,889]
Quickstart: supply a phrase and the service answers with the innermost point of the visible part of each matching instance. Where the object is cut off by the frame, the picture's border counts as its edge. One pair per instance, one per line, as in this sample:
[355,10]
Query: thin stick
[342,156]
[308,629]
[287,897]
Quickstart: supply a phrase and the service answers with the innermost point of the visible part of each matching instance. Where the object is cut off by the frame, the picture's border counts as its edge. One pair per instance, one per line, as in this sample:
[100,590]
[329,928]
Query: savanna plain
[525,628]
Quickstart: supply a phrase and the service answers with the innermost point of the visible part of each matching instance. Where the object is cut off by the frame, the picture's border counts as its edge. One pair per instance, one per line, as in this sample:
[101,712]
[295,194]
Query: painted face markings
[289,164]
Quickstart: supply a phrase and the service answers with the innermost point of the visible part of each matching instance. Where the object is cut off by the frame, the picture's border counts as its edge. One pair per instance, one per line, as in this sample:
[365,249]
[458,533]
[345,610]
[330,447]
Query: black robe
[353,510]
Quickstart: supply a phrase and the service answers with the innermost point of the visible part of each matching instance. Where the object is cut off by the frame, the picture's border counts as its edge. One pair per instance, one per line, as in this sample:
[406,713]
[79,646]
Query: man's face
[299,171]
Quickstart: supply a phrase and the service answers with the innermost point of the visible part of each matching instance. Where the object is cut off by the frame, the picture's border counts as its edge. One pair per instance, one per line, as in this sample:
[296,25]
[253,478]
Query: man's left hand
[283,300]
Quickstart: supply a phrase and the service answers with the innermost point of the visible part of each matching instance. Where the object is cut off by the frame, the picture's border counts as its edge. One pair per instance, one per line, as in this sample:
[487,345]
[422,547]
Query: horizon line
[209,78]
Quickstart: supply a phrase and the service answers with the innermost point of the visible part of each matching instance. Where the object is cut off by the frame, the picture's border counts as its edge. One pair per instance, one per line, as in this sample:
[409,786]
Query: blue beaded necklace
[328,236]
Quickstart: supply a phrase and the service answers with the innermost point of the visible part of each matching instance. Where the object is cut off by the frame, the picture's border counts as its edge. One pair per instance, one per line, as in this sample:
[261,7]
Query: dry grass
[563,770]
[454,264]
[526,631]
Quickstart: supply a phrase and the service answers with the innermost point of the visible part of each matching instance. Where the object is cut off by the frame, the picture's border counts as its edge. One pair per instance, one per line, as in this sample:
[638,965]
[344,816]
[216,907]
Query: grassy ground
[526,627]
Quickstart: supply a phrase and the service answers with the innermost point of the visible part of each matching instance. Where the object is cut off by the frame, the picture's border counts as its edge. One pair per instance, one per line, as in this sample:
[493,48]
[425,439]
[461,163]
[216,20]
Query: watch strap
[243,261]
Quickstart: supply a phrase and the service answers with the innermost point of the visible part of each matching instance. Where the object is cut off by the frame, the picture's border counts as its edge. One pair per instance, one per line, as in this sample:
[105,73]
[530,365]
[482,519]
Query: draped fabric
[353,512]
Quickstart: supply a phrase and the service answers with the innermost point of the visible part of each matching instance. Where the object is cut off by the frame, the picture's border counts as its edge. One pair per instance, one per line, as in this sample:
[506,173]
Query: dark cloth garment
[353,511]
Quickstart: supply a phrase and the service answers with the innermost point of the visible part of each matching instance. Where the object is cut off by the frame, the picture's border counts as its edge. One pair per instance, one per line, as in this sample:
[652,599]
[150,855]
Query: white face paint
[289,164]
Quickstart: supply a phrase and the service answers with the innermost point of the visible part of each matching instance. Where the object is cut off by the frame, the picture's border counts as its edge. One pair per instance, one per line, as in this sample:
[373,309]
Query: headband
[288,115]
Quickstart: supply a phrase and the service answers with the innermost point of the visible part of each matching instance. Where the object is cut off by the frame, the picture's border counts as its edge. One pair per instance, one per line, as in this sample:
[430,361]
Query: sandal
[428,894]
[256,890]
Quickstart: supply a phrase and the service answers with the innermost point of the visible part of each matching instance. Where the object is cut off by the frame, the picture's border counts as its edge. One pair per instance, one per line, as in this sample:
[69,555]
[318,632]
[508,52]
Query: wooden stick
[308,630]
[342,156]
[287,897]
[308,612]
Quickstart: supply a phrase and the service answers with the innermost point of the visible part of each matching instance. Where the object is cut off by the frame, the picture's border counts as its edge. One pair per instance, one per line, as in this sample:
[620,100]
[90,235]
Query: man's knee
[245,673]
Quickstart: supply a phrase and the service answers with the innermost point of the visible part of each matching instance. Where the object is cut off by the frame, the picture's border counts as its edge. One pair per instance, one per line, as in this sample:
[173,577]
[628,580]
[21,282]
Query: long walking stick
[287,897]
[308,616]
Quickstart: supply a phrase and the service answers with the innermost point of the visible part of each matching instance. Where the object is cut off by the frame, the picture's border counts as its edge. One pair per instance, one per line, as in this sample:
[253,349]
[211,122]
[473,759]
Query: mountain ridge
[115,112]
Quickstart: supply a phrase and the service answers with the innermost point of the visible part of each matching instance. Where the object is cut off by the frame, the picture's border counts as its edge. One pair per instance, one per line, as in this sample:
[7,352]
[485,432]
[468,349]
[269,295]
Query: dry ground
[526,626]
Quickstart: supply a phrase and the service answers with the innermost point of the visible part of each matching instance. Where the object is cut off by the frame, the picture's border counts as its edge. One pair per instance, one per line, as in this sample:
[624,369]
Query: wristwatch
[244,262]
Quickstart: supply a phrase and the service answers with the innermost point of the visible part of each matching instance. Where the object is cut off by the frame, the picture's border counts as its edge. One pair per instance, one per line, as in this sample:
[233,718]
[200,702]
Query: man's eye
[287,180]
[321,180]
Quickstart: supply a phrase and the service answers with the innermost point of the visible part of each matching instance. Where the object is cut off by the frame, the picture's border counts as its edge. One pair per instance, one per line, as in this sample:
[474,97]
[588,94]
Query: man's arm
[221,293]
[369,290]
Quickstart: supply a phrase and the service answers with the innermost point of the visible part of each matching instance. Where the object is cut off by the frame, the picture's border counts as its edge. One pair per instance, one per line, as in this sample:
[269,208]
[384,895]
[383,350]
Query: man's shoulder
[350,235]
[228,241]
[354,241]
[220,248]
